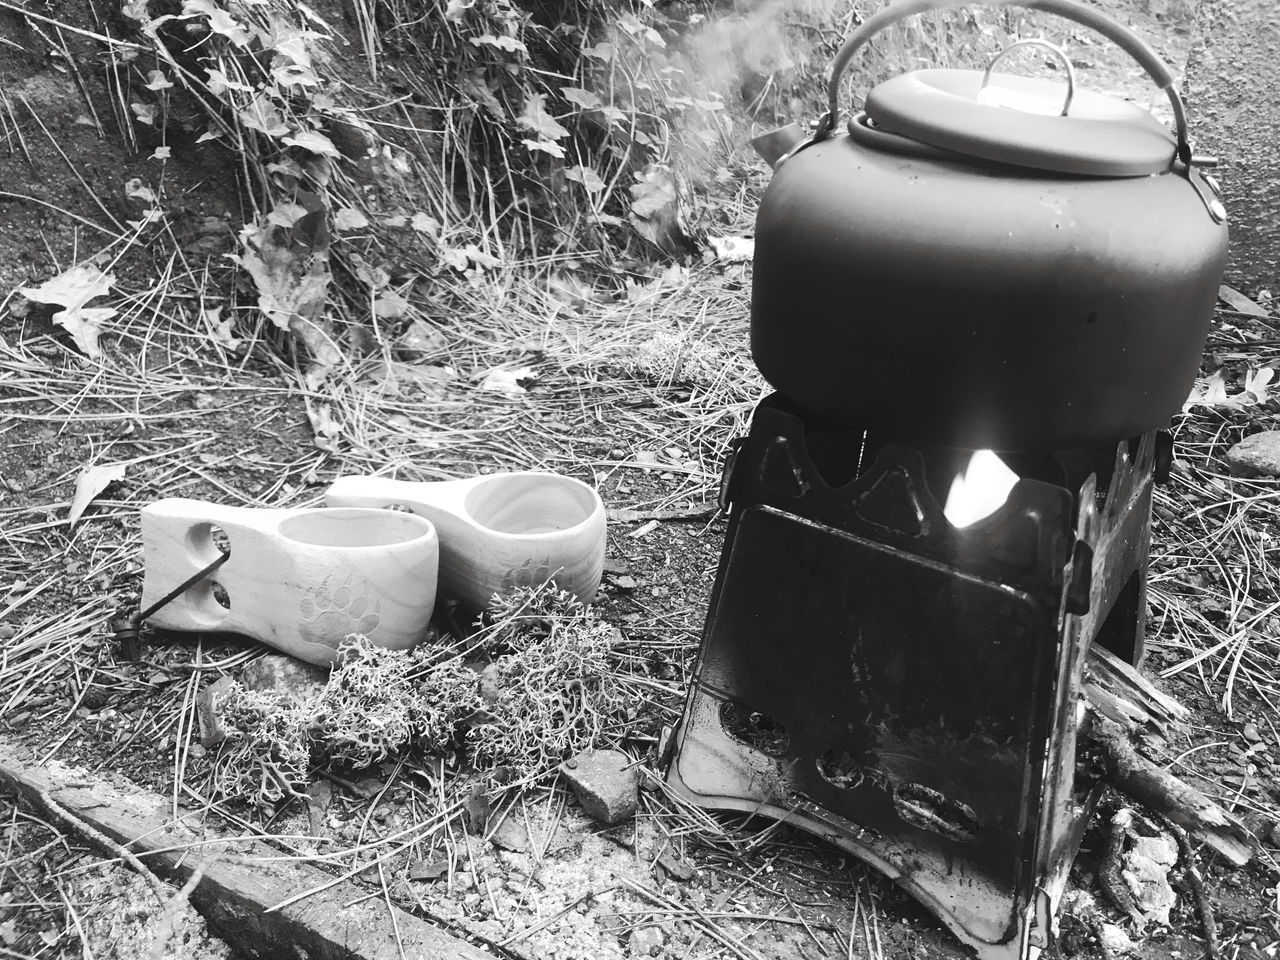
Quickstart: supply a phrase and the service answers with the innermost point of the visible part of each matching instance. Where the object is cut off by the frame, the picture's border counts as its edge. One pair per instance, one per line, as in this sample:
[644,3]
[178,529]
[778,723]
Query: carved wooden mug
[501,531]
[300,580]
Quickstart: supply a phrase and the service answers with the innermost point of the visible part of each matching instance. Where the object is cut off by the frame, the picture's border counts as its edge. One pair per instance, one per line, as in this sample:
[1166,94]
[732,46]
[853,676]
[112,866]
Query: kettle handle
[1128,41]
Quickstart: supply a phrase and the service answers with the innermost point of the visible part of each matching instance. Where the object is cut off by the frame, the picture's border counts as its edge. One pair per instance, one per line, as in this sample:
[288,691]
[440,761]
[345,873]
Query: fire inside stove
[902,677]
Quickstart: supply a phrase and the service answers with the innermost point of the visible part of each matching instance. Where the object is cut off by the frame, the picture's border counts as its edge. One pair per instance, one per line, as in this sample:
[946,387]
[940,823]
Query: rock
[8,631]
[645,942]
[282,674]
[1257,455]
[420,341]
[605,783]
[212,730]
[1250,732]
[1113,940]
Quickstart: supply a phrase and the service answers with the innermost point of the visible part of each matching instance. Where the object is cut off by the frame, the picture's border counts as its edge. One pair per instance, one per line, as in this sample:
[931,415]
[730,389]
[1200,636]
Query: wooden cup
[300,580]
[501,531]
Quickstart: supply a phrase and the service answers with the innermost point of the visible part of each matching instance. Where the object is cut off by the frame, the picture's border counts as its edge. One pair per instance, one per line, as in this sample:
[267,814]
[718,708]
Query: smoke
[715,79]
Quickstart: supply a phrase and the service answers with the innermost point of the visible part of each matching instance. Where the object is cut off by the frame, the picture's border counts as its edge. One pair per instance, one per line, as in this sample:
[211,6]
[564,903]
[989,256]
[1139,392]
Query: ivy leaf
[157,81]
[390,305]
[583,98]
[219,20]
[145,112]
[545,146]
[72,290]
[425,224]
[503,42]
[631,23]
[536,120]
[286,214]
[219,83]
[262,115]
[457,9]
[613,114]
[586,176]
[601,51]
[316,143]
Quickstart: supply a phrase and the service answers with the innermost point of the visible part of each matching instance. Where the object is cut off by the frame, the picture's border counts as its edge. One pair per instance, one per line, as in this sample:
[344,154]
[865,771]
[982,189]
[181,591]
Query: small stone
[511,835]
[8,631]
[282,674]
[1250,732]
[420,341]
[1257,455]
[645,942]
[677,868]
[606,784]
[463,880]
[428,869]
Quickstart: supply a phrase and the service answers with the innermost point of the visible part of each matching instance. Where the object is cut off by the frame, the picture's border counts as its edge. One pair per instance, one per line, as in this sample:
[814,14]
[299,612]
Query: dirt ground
[196,416]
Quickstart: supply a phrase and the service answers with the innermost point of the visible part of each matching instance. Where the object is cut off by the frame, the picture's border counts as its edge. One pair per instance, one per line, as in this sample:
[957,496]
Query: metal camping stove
[908,690]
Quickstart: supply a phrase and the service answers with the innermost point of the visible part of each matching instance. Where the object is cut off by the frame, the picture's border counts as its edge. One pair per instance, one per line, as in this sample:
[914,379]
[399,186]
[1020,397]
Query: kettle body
[953,299]
[988,260]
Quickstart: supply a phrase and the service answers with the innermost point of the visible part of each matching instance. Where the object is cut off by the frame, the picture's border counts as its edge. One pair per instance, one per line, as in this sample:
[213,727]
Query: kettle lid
[1022,121]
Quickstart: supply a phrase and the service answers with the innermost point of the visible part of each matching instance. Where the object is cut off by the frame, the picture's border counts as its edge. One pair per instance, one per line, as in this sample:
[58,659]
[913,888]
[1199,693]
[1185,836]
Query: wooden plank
[239,888]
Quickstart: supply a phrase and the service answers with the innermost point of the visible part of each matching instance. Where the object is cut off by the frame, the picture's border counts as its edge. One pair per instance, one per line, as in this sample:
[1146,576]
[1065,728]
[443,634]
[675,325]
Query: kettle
[987,260]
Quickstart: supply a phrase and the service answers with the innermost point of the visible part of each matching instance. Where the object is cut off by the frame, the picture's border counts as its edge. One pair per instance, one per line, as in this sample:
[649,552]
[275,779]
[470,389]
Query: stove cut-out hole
[840,769]
[930,810]
[220,595]
[755,729]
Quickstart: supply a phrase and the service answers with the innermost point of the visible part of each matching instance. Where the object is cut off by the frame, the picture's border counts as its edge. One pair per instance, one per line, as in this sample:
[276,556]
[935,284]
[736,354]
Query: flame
[979,490]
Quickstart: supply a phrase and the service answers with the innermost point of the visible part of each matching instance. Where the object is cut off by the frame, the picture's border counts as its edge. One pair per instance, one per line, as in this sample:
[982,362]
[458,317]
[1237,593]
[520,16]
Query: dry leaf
[72,290]
[1208,391]
[1240,303]
[1211,391]
[507,381]
[91,482]
[732,249]
[349,218]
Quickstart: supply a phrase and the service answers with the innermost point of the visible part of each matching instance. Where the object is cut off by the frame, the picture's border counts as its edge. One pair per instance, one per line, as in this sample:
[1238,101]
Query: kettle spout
[776,144]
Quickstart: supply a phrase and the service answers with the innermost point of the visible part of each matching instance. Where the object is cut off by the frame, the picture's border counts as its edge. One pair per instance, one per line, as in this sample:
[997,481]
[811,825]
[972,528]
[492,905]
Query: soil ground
[196,417]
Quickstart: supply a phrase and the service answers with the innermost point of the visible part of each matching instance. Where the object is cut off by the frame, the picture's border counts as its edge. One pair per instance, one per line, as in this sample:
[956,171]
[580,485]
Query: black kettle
[989,260]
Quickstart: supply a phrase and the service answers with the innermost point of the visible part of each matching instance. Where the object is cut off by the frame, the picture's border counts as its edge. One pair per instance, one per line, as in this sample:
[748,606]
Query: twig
[104,843]
[164,929]
[1204,909]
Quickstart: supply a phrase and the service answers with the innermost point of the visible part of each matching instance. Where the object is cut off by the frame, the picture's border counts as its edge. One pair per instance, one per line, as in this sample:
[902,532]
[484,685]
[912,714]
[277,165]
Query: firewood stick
[1149,784]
